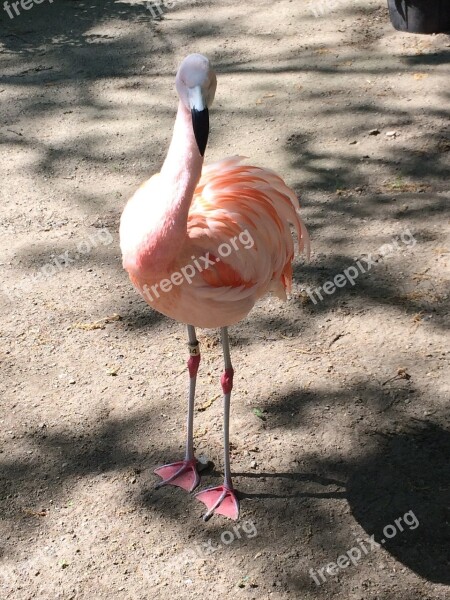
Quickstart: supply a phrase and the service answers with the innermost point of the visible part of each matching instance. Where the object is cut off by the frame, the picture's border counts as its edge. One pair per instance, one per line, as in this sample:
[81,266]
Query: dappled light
[338,414]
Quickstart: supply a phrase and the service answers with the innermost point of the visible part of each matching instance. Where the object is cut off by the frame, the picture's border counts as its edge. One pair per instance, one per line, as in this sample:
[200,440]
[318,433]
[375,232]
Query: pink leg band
[193,364]
[227,380]
[194,359]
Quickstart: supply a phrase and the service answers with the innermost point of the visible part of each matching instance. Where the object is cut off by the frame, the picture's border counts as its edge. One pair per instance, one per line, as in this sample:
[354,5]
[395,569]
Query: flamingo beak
[200,118]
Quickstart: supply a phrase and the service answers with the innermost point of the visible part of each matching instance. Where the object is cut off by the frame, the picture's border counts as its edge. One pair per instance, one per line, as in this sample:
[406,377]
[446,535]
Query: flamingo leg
[184,473]
[222,499]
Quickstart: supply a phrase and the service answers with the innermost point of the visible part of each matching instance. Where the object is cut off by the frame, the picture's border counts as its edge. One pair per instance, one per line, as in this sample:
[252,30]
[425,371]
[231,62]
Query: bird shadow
[295,479]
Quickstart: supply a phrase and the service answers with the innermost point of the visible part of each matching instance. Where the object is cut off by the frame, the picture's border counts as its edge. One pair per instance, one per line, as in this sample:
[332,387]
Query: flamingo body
[230,200]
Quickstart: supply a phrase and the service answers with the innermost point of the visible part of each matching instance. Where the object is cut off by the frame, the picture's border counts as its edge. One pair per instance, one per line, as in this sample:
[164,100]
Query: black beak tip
[200,123]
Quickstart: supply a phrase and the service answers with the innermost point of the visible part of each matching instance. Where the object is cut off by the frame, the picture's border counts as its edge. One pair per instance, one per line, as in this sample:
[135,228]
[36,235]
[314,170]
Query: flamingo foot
[182,474]
[221,500]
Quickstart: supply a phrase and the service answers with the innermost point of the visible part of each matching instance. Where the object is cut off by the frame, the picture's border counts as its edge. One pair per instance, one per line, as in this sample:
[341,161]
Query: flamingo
[202,244]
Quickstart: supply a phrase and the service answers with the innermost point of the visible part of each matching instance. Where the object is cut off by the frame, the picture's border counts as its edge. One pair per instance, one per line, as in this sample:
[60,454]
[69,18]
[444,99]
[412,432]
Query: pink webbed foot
[182,474]
[221,500]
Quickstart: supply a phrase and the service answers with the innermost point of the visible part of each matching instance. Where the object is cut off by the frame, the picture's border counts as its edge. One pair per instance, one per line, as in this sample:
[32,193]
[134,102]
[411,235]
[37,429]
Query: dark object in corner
[420,16]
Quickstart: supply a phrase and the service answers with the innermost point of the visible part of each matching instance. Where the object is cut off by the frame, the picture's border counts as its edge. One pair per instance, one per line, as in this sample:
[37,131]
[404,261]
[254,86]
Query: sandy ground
[339,423]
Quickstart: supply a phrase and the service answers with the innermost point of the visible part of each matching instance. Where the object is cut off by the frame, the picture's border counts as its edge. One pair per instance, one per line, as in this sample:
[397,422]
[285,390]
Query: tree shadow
[408,473]
[400,471]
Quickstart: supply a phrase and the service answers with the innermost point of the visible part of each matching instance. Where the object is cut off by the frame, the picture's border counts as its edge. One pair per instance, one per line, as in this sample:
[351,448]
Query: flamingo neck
[164,223]
[178,179]
[182,168]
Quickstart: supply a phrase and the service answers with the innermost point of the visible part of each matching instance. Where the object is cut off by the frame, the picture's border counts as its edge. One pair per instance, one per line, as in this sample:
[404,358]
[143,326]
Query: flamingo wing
[241,214]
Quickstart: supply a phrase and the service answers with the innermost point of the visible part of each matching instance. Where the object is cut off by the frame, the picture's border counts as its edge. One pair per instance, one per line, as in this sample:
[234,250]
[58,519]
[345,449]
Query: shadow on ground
[404,471]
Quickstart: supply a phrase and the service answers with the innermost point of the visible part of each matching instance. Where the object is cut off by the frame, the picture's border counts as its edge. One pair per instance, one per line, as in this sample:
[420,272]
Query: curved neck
[182,168]
[177,181]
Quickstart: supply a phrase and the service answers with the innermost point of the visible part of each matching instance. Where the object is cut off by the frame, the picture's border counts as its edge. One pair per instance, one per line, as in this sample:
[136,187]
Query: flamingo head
[196,86]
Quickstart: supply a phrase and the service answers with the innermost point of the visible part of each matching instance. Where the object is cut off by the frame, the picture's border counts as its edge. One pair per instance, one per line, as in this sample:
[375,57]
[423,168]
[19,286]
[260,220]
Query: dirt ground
[339,423]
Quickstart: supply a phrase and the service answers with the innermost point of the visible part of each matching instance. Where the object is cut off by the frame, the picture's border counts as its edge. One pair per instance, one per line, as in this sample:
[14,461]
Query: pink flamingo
[202,245]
